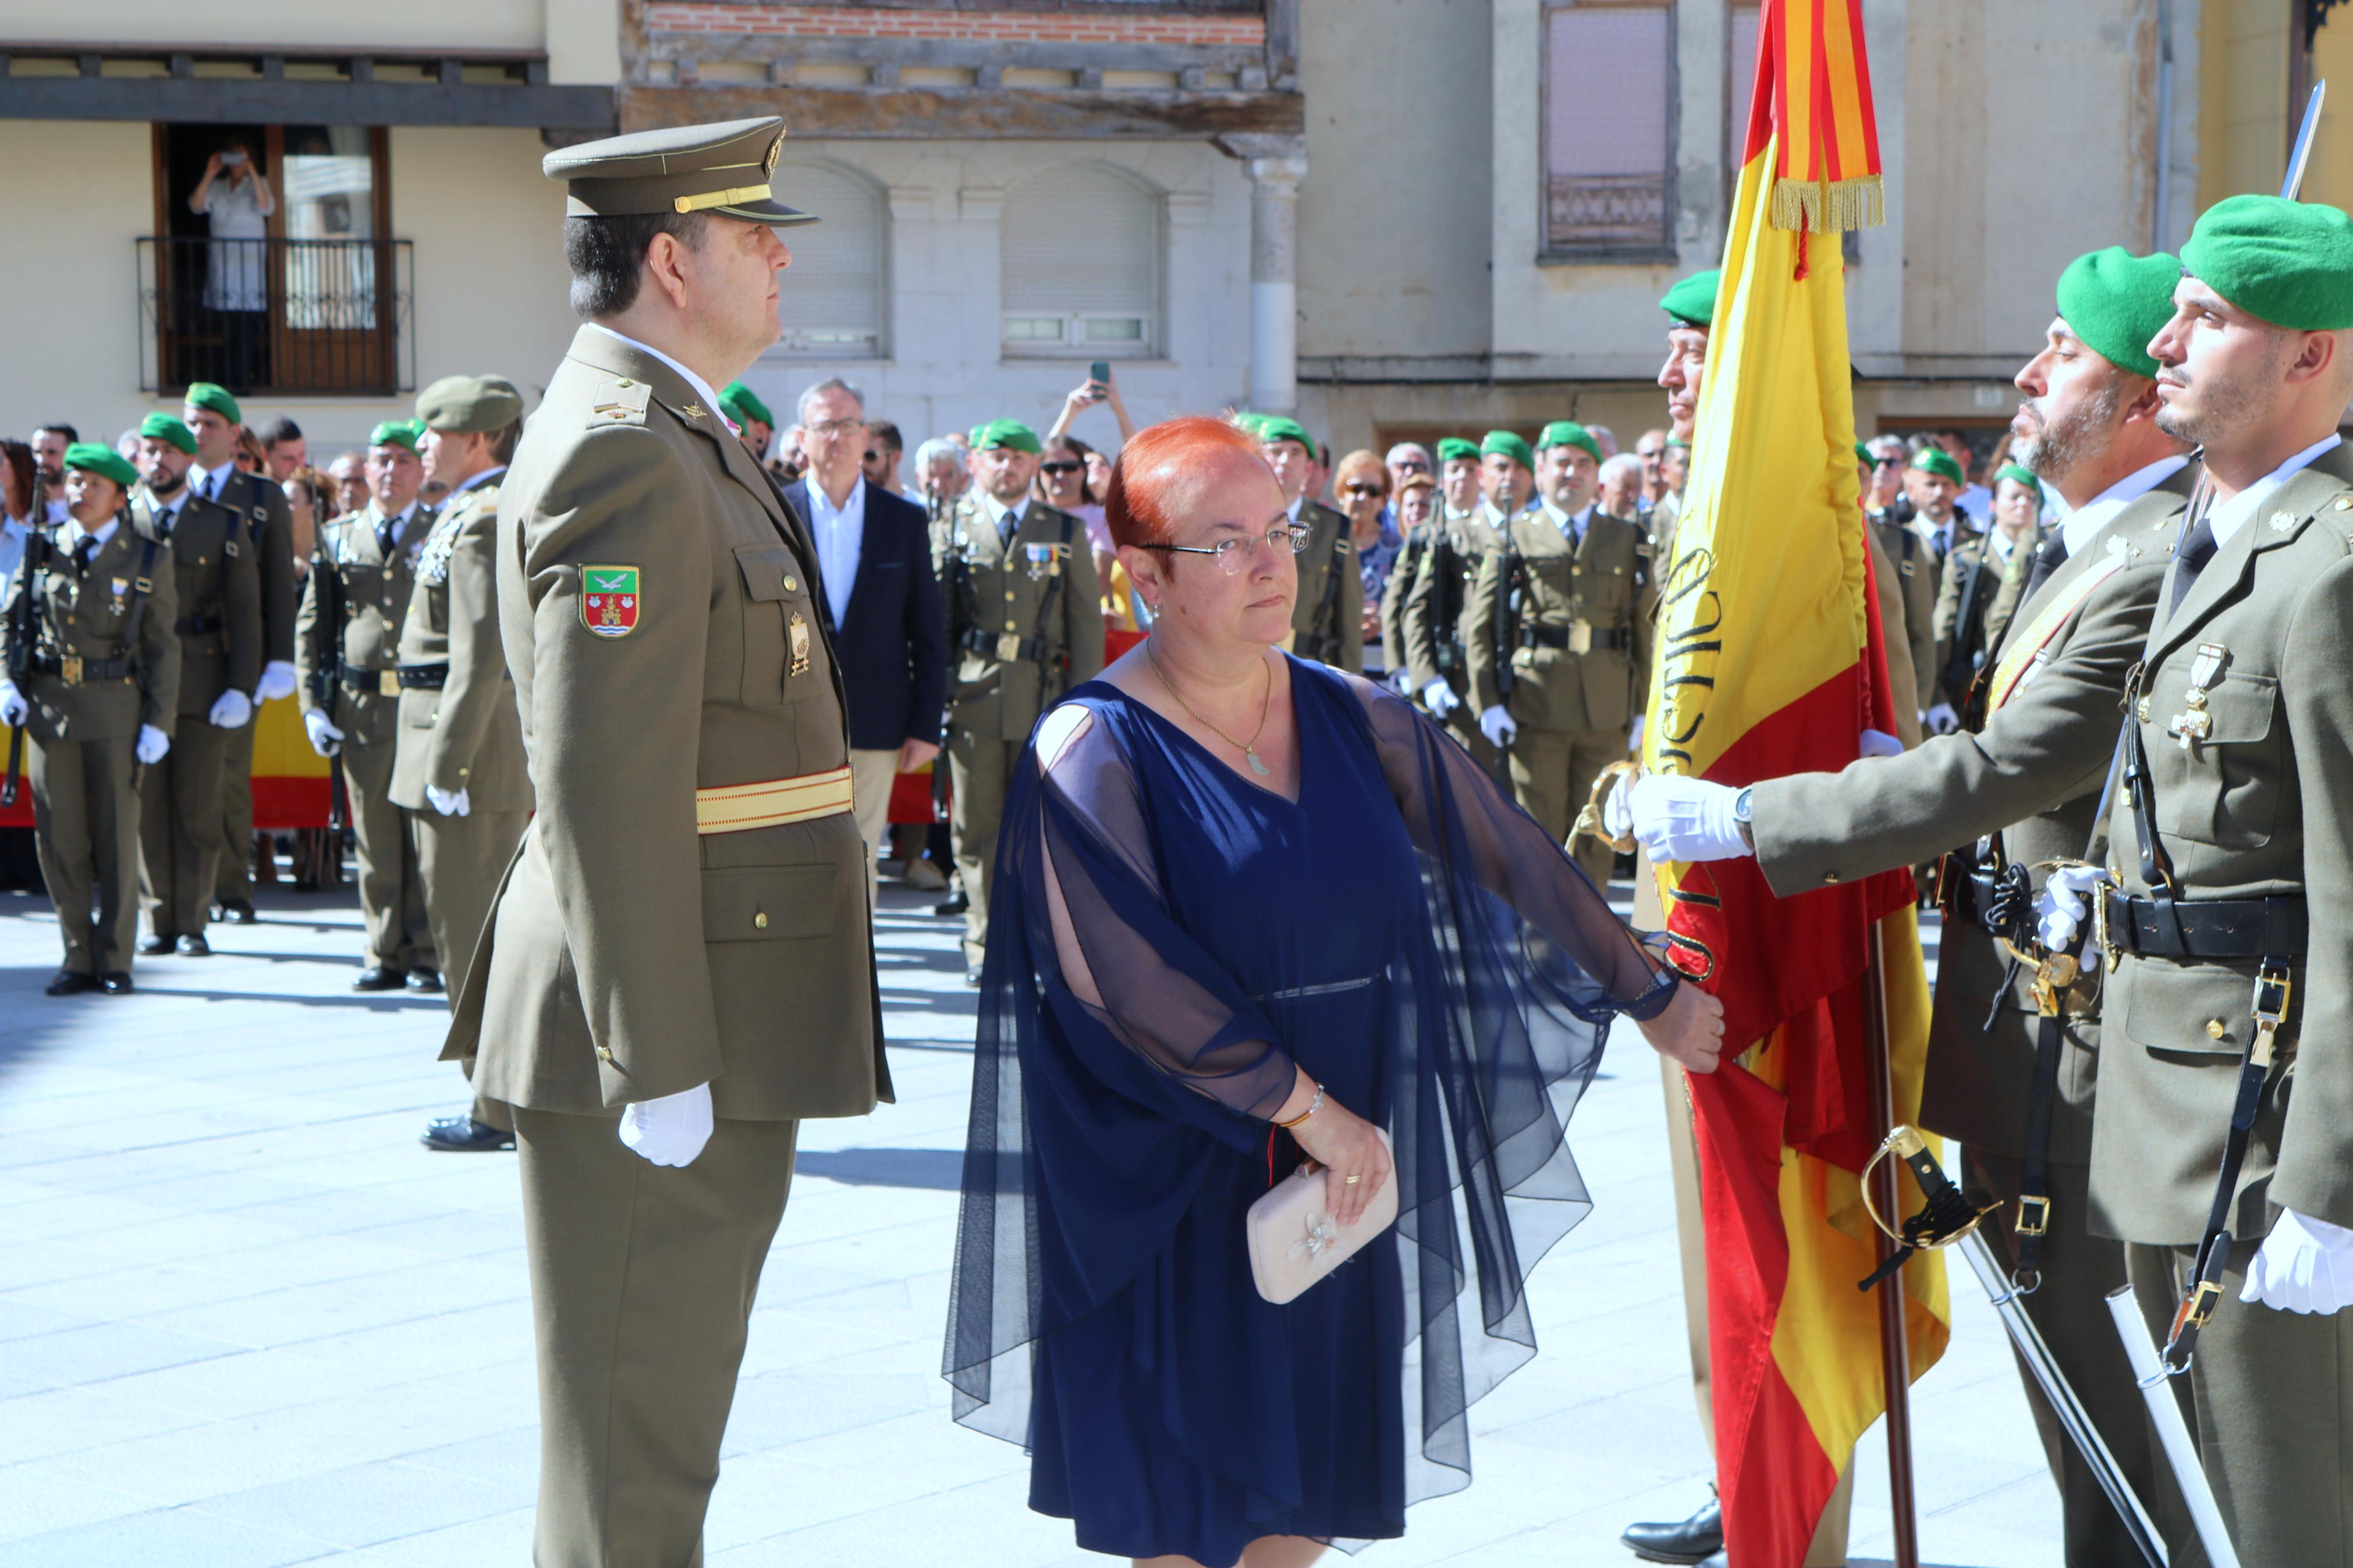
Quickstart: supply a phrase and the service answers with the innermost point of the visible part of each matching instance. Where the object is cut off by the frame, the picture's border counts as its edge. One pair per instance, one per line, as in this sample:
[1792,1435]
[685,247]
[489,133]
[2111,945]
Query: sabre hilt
[1945,1213]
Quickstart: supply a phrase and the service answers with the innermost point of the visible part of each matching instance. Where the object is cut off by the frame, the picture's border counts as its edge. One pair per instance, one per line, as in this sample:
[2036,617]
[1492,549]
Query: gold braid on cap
[736,195]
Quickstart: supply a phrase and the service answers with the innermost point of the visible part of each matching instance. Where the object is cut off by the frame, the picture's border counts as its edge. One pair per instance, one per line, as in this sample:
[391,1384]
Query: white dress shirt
[710,398]
[76,534]
[2228,517]
[999,513]
[1571,527]
[2084,524]
[839,531]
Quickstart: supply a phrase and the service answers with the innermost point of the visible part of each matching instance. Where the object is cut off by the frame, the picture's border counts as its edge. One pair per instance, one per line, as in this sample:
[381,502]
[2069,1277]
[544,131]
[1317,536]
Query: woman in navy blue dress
[1249,909]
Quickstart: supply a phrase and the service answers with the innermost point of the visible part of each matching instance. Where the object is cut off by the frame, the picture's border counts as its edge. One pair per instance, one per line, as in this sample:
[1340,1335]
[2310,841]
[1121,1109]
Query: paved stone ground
[248,1320]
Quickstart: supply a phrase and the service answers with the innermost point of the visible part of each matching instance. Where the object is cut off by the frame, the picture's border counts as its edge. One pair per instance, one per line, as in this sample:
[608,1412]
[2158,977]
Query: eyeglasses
[1229,553]
[830,429]
[872,456]
[1411,466]
[1362,490]
[1061,467]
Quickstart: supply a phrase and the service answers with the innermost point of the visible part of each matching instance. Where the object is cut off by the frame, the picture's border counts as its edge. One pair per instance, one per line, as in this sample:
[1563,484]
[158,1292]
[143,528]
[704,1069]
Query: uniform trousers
[870,777]
[460,861]
[180,842]
[391,892]
[233,874]
[1552,774]
[2071,1311]
[2269,1398]
[642,1280]
[979,769]
[85,831]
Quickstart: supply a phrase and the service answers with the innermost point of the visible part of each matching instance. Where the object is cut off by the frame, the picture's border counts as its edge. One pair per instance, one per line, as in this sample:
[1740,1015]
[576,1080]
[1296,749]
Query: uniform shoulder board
[620,400]
[261,514]
[230,546]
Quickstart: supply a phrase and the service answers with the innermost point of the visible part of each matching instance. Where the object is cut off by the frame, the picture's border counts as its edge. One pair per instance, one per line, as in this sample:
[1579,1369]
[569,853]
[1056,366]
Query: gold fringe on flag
[1831,208]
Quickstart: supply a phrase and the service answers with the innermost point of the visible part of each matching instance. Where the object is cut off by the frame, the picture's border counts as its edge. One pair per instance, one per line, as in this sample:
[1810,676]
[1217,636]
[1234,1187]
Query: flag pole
[1894,1352]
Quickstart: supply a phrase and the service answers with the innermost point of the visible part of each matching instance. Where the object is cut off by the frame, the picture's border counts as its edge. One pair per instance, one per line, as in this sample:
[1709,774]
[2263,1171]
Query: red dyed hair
[1140,504]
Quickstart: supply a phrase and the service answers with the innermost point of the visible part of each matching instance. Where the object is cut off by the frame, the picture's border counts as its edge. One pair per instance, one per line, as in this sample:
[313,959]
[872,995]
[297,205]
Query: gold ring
[1352,1181]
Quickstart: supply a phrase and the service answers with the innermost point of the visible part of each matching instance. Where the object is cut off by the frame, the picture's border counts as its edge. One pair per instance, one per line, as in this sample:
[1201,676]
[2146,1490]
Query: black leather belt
[423,677]
[197,626]
[383,682]
[1005,647]
[2208,928]
[78,672]
[1621,639]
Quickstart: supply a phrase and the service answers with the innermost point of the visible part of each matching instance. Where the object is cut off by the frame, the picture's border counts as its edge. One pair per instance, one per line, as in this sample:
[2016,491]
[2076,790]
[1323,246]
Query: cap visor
[773,213]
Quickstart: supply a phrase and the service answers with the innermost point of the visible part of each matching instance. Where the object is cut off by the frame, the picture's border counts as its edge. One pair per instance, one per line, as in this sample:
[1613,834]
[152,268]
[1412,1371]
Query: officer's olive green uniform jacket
[1992,604]
[2263,806]
[1467,541]
[1602,581]
[269,536]
[2034,775]
[1327,620]
[629,957]
[1915,569]
[466,735]
[217,583]
[375,590]
[87,614]
[1412,550]
[1038,586]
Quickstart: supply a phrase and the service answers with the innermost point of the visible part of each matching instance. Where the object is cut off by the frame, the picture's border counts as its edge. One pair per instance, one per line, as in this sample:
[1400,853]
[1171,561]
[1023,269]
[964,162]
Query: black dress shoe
[424,980]
[377,977]
[954,906]
[71,983]
[1693,1540]
[155,946]
[194,947]
[239,911]
[464,1135]
[115,983]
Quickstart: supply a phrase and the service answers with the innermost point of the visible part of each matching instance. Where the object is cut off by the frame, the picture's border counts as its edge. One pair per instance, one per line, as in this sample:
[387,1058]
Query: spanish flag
[1769,662]
[289,779]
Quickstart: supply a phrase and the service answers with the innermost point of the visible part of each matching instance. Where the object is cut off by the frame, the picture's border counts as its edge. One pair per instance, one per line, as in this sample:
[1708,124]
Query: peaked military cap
[95,457]
[469,404]
[163,427]
[722,168]
[215,397]
[1455,446]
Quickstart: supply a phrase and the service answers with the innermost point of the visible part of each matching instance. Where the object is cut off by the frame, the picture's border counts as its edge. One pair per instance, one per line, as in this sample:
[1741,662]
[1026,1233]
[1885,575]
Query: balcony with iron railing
[293,317]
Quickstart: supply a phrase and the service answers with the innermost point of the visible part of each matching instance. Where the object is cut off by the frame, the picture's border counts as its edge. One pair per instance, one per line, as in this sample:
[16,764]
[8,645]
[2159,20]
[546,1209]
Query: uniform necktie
[1005,523]
[2047,560]
[2197,549]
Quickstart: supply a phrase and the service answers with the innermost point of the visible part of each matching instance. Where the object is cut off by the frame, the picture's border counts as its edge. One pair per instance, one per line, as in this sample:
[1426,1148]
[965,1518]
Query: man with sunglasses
[1327,621]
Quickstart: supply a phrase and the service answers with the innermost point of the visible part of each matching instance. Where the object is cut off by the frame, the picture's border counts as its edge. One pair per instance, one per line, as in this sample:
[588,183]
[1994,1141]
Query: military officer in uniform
[1983,579]
[1418,494]
[1558,635]
[1434,618]
[212,415]
[363,571]
[753,421]
[678,967]
[218,585]
[458,767]
[1459,478]
[2225,909]
[1025,626]
[2025,789]
[1914,581]
[99,701]
[1327,623]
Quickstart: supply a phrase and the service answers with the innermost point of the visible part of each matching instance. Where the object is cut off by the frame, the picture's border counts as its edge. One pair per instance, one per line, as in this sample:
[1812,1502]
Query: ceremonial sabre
[2172,1431]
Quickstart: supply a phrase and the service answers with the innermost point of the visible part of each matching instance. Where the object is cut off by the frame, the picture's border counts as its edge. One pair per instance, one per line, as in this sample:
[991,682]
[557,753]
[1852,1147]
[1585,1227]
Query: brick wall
[1007,26]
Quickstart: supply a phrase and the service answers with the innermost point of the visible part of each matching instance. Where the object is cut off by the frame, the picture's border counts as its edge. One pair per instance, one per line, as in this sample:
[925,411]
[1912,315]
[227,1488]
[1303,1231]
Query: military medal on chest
[2194,724]
[1044,561]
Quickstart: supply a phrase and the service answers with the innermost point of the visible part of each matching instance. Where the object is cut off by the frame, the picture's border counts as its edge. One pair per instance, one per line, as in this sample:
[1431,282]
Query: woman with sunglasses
[1362,483]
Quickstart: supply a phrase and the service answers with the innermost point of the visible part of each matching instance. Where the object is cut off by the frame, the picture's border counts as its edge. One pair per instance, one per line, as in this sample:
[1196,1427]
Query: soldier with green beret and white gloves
[1432,625]
[100,700]
[1327,621]
[362,573]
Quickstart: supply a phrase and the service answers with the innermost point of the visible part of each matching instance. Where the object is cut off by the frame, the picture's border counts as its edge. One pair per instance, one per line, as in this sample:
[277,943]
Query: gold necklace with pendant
[1248,749]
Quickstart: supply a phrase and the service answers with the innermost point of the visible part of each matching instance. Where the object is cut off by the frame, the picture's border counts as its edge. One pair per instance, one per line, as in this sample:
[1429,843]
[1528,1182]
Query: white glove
[2059,912]
[14,709]
[1880,743]
[1440,698]
[671,1131]
[152,744]
[1941,720]
[1618,807]
[1497,726]
[277,681]
[2305,1265]
[1634,735]
[1682,818]
[448,803]
[325,739]
[231,712]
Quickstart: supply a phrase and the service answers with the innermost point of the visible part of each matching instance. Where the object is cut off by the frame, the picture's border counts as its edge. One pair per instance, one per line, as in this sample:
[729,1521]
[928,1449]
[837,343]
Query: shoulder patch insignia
[623,402]
[609,600]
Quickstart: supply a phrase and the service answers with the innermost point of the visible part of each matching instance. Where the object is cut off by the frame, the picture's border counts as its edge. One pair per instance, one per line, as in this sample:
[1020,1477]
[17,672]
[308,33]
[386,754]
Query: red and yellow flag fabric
[289,779]
[1770,662]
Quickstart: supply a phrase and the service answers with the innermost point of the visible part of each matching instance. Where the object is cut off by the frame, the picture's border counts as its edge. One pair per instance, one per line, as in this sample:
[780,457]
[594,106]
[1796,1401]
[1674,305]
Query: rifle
[326,664]
[959,592]
[1506,607]
[24,631]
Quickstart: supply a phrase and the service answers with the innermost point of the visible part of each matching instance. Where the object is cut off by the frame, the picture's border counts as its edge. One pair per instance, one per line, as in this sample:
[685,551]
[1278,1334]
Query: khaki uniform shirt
[217,583]
[1032,604]
[466,733]
[84,613]
[1595,593]
[1327,620]
[351,566]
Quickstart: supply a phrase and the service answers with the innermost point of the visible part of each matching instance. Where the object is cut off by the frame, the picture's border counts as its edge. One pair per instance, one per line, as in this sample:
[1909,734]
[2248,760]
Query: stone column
[1276,165]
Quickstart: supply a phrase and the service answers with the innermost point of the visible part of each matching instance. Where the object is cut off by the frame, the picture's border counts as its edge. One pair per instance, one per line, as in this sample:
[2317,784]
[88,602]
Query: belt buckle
[1008,646]
[1580,636]
[2200,1308]
[2033,1215]
[70,669]
[387,683]
[2100,931]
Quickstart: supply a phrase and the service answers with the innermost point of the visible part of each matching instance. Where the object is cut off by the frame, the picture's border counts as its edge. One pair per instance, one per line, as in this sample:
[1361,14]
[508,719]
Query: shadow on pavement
[934,1169]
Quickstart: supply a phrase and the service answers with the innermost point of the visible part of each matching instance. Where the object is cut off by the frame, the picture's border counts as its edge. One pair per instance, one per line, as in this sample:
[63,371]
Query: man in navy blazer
[874,570]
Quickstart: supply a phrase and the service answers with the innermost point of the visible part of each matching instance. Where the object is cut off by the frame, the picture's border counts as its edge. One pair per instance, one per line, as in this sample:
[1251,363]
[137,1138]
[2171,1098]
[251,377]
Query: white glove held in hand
[152,744]
[671,1131]
[2305,1265]
[448,803]
[325,739]
[1880,743]
[231,712]
[13,710]
[277,681]
[1440,698]
[1941,720]
[2059,912]
[1497,726]
[1618,807]
[1682,818]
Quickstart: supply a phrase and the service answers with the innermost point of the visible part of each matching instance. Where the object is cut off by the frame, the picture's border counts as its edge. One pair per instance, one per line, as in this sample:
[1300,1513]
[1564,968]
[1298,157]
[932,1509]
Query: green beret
[2291,263]
[469,404]
[1679,441]
[1692,300]
[1512,446]
[206,394]
[163,427]
[1938,461]
[1274,427]
[2023,476]
[1455,446]
[744,404]
[102,460]
[395,433]
[1568,433]
[1863,455]
[2116,301]
[1010,434]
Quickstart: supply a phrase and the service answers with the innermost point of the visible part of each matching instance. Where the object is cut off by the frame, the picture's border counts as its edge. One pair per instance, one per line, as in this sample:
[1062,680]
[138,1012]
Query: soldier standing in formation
[1914,581]
[212,415]
[1984,579]
[1417,524]
[1558,634]
[756,425]
[1327,622]
[458,766]
[678,968]
[218,585]
[1434,618]
[363,571]
[1025,626]
[100,672]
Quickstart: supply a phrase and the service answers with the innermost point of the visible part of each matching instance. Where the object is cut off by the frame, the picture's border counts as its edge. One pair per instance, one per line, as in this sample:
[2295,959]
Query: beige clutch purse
[1293,1239]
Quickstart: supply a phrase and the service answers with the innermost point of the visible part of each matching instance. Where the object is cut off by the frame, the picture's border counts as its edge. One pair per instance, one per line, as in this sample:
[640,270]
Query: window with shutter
[833,292]
[1079,259]
[1608,130]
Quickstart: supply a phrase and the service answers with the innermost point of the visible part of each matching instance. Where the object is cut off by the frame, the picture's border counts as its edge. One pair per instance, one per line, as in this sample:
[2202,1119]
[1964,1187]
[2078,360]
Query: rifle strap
[141,584]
